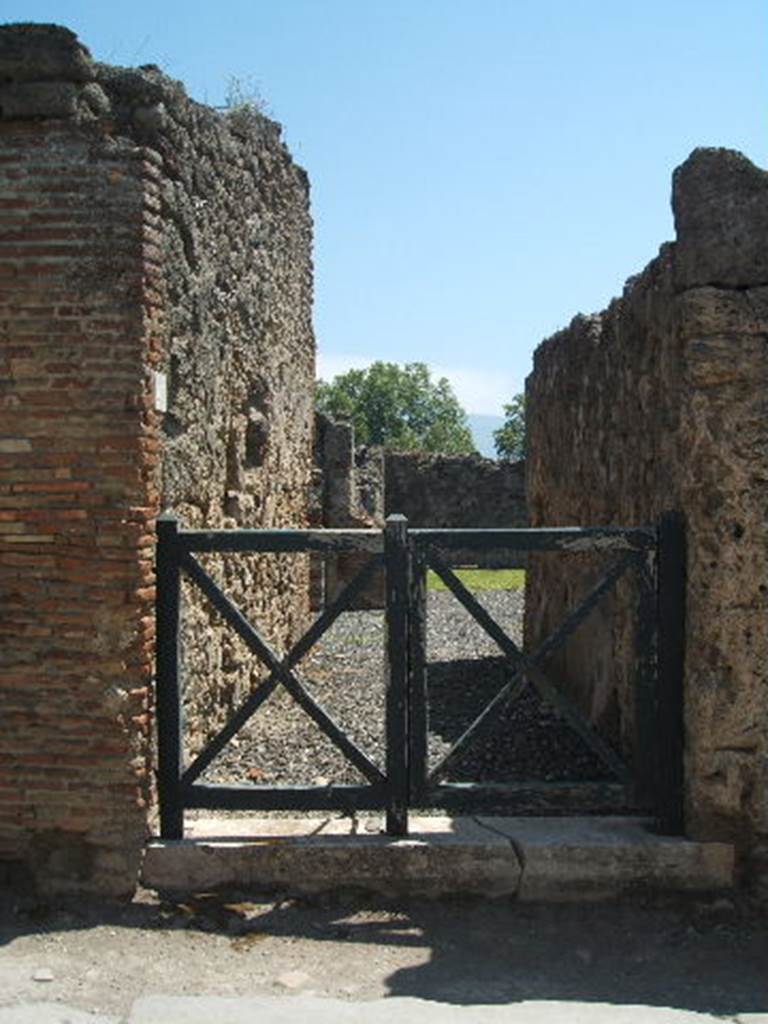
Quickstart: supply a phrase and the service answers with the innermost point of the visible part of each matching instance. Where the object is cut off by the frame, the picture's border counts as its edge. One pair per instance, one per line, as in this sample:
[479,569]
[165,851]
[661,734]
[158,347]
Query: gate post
[671,670]
[396,566]
[418,702]
[167,681]
[646,755]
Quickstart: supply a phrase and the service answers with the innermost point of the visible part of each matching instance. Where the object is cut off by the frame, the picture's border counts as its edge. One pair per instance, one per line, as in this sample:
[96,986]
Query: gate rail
[655,554]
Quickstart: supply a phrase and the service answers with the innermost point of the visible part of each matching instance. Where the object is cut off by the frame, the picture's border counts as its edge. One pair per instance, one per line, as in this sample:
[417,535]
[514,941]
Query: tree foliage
[509,439]
[401,408]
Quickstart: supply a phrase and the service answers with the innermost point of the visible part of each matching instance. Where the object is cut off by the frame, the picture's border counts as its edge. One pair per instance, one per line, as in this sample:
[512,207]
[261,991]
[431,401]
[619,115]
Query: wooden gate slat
[289,679]
[405,554]
[529,666]
[254,701]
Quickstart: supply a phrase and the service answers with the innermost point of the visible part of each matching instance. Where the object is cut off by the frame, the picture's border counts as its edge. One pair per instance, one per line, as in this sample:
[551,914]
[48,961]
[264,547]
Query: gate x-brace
[655,555]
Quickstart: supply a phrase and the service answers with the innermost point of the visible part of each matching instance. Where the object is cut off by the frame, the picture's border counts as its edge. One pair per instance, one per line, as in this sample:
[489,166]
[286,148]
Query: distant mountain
[482,428]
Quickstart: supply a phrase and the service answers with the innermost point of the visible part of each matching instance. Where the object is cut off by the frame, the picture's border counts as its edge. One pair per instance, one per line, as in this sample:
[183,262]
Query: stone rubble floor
[345,673]
[706,955]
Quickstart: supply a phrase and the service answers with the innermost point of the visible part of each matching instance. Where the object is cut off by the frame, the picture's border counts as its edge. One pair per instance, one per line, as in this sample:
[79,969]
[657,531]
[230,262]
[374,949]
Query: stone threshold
[531,859]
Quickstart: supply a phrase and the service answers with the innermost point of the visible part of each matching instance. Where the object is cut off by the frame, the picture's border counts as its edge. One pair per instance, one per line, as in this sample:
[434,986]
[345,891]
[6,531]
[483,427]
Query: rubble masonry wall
[660,402]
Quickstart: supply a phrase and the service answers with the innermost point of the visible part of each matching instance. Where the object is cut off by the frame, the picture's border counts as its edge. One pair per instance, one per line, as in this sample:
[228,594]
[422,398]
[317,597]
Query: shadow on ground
[705,955]
[526,739]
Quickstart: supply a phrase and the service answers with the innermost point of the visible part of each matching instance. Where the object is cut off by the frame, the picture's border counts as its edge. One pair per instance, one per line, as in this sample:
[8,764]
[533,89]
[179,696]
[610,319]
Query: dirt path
[710,956]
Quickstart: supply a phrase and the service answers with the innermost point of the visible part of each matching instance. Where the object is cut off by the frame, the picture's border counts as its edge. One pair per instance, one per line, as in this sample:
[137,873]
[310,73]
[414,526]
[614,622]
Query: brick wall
[78,448]
[140,234]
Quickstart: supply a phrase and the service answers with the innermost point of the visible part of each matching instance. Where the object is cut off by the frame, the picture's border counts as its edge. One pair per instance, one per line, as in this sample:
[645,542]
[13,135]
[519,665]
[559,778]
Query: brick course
[78,496]
[104,224]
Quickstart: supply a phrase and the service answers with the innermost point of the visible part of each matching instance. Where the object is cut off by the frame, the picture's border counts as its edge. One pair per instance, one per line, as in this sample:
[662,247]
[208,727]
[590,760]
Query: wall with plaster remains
[142,234]
[660,402]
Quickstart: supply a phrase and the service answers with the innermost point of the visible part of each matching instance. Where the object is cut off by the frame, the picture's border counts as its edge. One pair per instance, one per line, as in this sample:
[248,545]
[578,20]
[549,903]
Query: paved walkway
[396,1010]
[230,958]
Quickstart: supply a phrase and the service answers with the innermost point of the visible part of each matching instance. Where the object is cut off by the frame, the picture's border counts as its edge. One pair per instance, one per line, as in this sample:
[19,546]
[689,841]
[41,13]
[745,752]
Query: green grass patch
[482,579]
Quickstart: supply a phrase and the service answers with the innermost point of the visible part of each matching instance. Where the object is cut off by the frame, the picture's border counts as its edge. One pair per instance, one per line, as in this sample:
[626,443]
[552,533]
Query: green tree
[509,439]
[399,407]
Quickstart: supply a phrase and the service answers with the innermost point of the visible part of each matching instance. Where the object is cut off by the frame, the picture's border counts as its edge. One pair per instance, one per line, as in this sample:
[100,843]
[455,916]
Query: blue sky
[481,170]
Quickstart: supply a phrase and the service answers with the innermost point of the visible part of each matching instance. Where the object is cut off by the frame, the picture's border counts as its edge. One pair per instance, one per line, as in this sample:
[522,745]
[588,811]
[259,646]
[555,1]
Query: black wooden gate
[655,555]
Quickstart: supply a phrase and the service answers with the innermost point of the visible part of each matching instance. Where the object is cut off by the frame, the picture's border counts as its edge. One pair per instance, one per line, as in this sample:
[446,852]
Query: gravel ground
[345,673]
[705,954]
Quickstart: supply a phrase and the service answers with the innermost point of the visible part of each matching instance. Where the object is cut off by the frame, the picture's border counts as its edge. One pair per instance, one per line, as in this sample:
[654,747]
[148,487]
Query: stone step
[545,859]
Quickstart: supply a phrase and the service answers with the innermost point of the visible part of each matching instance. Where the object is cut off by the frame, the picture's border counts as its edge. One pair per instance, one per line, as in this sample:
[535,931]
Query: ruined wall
[361,485]
[459,491]
[455,490]
[237,436]
[660,402]
[144,238]
[357,487]
[348,494]
[350,479]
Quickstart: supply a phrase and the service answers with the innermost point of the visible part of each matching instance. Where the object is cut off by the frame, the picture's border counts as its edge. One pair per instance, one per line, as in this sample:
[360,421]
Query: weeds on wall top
[244,106]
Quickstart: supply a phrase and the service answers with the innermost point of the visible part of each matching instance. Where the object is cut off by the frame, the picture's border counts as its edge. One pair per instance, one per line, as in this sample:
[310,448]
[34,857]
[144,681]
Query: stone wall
[357,487]
[145,241]
[239,359]
[660,402]
[458,491]
[361,485]
[348,494]
[349,479]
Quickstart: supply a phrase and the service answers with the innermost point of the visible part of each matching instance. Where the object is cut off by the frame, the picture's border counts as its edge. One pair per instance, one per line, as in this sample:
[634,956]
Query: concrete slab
[395,1010]
[594,857]
[546,859]
[441,856]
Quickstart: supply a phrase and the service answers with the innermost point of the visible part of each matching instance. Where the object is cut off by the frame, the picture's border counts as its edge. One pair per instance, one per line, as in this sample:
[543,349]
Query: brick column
[79,332]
